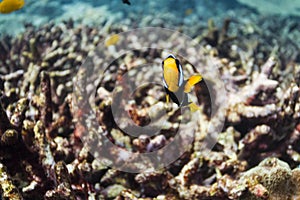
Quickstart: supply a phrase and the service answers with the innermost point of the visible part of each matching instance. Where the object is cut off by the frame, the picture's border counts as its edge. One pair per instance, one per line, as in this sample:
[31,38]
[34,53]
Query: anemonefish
[112,40]
[176,87]
[8,6]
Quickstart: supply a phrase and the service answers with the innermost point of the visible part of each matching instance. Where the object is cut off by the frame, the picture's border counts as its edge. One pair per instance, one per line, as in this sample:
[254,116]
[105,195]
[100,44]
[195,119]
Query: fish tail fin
[193,80]
[193,107]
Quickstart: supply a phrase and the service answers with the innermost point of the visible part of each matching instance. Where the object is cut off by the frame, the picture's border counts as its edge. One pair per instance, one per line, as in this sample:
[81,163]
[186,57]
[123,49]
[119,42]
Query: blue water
[169,13]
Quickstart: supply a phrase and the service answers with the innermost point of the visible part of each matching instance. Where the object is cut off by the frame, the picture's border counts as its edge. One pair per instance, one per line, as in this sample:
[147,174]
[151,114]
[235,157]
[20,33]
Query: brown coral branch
[46,109]
[258,139]
[43,146]
[4,122]
[63,189]
[19,113]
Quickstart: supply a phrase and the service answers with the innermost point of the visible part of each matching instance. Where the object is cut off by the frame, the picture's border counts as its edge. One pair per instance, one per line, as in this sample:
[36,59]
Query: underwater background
[249,53]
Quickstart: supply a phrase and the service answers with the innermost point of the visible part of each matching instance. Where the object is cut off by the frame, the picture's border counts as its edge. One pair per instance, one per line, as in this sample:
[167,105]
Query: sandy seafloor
[250,58]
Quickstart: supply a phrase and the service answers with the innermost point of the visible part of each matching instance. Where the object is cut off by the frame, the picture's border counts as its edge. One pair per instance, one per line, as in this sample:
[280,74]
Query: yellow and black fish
[8,6]
[176,87]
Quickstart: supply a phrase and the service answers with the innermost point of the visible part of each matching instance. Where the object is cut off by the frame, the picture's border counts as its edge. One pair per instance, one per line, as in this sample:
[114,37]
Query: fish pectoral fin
[193,80]
[193,107]
[168,106]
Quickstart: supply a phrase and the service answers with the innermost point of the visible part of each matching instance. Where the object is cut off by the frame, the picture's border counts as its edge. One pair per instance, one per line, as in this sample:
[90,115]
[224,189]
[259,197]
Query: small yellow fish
[176,87]
[188,11]
[8,6]
[112,40]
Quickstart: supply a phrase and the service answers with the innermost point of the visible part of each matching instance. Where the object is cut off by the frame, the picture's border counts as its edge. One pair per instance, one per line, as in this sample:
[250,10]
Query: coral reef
[256,154]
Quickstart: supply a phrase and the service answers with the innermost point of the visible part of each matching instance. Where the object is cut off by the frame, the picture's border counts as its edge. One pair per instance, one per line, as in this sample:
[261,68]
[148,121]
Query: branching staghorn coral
[241,101]
[36,94]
